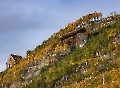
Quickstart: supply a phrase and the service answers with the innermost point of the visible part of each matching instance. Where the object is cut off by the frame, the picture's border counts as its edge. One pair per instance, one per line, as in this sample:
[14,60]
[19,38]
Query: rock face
[75,38]
[32,71]
[12,59]
[61,81]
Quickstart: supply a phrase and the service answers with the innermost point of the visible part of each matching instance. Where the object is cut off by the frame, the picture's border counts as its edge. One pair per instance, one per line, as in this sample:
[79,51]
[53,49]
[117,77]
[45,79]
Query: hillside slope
[83,54]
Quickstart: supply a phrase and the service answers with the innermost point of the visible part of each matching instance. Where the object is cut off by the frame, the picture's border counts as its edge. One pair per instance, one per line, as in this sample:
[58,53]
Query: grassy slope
[102,41]
[48,45]
[67,65]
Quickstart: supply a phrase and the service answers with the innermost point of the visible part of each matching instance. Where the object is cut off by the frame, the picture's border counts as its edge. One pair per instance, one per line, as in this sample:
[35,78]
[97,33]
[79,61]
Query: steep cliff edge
[83,49]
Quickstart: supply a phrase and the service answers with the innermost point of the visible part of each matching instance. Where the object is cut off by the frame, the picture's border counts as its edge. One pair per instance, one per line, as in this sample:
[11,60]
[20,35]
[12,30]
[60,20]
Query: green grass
[98,41]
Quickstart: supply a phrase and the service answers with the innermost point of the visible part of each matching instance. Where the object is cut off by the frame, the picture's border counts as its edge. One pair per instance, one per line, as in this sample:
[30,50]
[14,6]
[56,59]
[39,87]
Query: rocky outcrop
[77,37]
[12,60]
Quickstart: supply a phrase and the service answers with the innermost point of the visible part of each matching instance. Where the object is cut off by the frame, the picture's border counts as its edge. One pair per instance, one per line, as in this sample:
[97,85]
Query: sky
[25,24]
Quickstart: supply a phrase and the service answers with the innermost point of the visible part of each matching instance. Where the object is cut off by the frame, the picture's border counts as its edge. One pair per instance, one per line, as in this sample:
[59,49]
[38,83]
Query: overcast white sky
[24,24]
